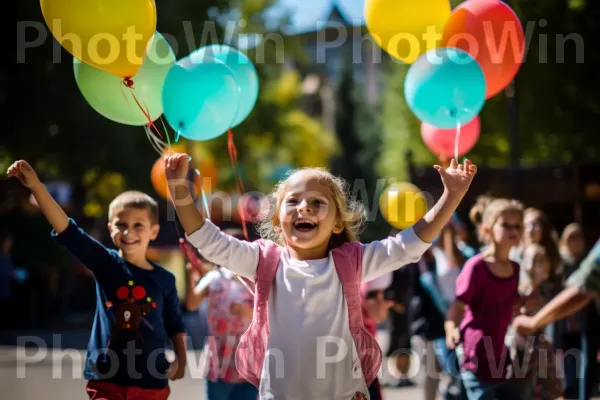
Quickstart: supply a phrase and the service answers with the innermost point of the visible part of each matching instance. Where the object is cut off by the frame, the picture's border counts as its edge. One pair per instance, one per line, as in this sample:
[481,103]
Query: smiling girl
[307,339]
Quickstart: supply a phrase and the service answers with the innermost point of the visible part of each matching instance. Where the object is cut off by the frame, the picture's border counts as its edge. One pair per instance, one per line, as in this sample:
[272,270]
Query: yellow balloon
[107,34]
[406,29]
[402,205]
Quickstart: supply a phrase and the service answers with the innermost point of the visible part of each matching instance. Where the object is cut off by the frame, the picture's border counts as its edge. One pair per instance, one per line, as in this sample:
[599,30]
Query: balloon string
[456,141]
[129,84]
[123,93]
[245,282]
[152,140]
[158,141]
[204,198]
[233,156]
[166,130]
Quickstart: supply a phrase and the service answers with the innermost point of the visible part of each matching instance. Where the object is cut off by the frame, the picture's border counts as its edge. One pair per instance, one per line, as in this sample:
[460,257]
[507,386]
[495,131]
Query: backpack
[252,347]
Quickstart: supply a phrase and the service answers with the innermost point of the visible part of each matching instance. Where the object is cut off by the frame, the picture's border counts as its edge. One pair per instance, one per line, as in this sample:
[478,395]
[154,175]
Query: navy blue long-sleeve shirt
[137,312]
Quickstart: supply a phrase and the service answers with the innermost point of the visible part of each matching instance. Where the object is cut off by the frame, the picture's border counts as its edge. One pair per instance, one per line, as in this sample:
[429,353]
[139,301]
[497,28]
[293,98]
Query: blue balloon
[244,73]
[200,98]
[280,172]
[445,86]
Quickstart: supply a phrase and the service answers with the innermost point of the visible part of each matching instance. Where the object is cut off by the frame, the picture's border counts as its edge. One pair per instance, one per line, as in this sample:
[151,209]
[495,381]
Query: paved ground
[56,374]
[58,377]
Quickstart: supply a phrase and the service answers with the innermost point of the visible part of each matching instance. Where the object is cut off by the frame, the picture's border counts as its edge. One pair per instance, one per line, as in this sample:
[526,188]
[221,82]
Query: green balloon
[107,94]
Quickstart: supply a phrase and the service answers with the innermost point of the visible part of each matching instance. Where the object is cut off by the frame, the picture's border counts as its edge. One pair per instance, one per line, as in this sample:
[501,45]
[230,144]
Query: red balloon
[491,32]
[123,292]
[441,141]
[254,207]
[138,292]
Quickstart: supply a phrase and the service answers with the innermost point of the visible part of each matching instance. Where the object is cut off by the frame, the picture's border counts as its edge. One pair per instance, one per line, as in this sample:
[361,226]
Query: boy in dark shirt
[137,307]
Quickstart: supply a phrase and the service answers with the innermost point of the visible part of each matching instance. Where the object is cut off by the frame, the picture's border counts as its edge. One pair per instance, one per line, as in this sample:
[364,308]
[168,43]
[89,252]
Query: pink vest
[252,347]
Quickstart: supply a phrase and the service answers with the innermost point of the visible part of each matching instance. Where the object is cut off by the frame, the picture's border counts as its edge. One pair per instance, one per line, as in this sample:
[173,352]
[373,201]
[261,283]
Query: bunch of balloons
[460,58]
[115,46]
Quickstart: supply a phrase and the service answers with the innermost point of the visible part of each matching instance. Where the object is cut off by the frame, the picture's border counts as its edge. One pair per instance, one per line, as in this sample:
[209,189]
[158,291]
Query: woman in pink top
[486,292]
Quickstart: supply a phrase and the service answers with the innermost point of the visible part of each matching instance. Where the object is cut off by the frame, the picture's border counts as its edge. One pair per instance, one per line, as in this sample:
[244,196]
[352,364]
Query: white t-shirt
[446,275]
[310,353]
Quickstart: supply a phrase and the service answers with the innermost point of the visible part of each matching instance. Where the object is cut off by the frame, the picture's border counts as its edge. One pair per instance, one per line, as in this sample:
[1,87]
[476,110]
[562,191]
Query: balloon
[444,87]
[280,172]
[402,27]
[200,97]
[255,206]
[244,74]
[402,205]
[441,141]
[105,93]
[107,34]
[207,178]
[492,33]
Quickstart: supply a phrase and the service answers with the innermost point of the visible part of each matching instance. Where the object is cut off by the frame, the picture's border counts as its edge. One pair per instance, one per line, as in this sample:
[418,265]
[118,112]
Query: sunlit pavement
[58,377]
[57,374]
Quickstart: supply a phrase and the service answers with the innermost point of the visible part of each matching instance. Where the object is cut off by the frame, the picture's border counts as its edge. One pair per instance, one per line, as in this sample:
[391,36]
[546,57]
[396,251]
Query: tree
[65,138]
[556,96]
[401,129]
[347,163]
[278,132]
[357,131]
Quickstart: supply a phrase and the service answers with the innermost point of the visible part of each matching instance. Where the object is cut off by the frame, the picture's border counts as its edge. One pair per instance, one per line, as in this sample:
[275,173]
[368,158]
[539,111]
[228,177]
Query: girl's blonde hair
[350,212]
[495,208]
[476,214]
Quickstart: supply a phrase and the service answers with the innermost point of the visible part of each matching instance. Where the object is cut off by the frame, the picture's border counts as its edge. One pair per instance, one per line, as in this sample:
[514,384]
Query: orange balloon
[491,32]
[207,178]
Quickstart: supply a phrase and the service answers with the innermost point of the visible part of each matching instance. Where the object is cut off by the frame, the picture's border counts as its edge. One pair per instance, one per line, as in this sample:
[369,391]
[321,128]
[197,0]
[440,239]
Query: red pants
[109,391]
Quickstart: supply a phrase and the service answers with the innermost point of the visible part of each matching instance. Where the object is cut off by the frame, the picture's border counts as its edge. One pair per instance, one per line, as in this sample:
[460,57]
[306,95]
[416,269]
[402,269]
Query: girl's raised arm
[238,256]
[219,248]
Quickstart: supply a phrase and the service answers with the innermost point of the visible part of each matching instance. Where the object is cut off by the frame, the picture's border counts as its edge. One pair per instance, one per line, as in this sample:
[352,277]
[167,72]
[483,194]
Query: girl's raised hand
[457,177]
[176,166]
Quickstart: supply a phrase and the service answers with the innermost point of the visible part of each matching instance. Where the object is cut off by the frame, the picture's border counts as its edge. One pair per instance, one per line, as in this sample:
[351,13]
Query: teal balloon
[107,94]
[244,74]
[200,97]
[280,172]
[444,87]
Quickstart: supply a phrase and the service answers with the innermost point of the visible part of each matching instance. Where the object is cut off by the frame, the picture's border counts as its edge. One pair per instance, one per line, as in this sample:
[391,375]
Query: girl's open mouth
[304,225]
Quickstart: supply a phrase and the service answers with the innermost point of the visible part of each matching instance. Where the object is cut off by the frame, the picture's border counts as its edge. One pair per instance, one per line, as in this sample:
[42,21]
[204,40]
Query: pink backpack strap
[252,347]
[269,259]
[348,265]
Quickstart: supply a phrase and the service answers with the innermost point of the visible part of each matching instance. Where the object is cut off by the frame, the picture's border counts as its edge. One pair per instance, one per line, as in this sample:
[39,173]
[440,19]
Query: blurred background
[339,106]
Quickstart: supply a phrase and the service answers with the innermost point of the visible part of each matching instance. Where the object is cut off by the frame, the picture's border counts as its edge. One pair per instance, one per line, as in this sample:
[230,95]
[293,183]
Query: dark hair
[549,241]
[235,232]
[134,199]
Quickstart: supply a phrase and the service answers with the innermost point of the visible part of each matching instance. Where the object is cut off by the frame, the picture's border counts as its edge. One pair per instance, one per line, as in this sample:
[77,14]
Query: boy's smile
[131,231]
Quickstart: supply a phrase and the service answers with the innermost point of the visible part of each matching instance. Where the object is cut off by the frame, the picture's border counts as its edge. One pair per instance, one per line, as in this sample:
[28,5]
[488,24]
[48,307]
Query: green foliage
[65,138]
[556,96]
[358,132]
[401,129]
